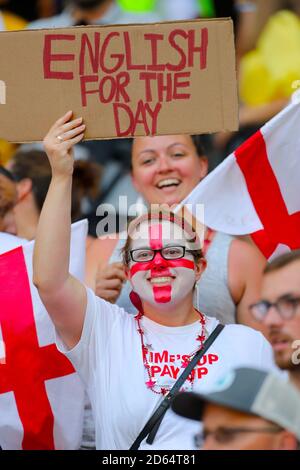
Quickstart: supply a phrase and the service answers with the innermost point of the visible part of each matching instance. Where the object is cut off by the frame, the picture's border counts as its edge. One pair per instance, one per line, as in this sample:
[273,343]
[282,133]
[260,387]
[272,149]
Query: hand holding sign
[59,143]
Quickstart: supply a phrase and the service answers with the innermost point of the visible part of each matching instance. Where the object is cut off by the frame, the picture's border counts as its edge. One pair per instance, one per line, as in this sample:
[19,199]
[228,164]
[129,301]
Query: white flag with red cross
[41,396]
[256,190]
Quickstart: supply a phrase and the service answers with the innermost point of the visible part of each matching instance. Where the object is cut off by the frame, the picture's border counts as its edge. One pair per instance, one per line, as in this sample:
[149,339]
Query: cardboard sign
[149,79]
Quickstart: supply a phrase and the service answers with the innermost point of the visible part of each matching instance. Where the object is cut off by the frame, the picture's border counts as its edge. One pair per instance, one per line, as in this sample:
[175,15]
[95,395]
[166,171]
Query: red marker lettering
[182,63]
[199,50]
[119,57]
[154,38]
[128,54]
[84,80]
[48,57]
[93,53]
[181,84]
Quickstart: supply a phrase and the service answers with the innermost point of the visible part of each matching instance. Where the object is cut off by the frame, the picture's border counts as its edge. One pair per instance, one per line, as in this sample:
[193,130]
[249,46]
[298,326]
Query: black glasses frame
[160,250]
[293,303]
[229,434]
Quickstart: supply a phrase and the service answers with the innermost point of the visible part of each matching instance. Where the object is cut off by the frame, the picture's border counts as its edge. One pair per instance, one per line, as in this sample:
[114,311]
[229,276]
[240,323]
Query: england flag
[256,190]
[41,396]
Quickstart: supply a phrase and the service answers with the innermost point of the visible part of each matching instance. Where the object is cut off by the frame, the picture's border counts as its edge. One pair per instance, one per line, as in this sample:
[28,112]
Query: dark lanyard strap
[151,427]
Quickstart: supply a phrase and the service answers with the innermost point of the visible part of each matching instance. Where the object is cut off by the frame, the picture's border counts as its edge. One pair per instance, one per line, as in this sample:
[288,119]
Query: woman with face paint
[165,169]
[127,362]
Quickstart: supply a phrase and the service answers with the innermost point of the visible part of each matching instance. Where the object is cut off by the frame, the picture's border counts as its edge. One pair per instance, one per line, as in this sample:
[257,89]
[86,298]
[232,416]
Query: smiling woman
[160,259]
[165,169]
[143,355]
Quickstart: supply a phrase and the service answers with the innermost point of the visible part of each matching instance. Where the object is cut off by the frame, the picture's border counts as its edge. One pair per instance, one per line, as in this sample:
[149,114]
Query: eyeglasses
[168,252]
[286,307]
[224,435]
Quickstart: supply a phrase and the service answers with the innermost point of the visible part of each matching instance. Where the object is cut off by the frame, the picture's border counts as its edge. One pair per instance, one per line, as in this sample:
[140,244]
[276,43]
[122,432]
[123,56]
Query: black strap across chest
[151,427]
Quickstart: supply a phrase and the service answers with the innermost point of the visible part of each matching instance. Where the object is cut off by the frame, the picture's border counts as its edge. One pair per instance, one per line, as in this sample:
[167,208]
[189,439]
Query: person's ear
[127,272]
[24,187]
[203,166]
[200,267]
[286,441]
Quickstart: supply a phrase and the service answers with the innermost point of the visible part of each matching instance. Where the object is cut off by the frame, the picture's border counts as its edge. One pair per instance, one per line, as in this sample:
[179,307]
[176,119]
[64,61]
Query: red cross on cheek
[159,265]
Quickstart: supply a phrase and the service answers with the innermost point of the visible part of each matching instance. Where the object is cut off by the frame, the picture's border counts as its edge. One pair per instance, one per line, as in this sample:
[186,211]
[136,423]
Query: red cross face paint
[161,281]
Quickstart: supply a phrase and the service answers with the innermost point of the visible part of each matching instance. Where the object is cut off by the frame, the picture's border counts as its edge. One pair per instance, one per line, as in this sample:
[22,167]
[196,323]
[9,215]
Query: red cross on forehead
[155,243]
[155,236]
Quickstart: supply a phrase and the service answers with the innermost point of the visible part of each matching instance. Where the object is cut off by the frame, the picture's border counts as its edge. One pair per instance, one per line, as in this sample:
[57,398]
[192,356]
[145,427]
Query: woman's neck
[183,313]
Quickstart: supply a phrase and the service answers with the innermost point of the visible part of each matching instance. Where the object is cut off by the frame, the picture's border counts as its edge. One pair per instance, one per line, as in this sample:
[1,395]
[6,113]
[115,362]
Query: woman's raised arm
[63,296]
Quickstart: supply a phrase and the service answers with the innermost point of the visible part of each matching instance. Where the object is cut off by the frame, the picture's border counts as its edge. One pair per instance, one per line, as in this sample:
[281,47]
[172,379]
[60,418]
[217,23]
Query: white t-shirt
[9,242]
[109,359]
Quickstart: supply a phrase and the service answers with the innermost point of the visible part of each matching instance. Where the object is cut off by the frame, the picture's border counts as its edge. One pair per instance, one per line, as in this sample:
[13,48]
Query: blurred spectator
[7,149]
[84,12]
[267,74]
[269,71]
[9,20]
[86,183]
[32,172]
[248,409]
[258,13]
[8,198]
[32,9]
[279,310]
[183,9]
[177,10]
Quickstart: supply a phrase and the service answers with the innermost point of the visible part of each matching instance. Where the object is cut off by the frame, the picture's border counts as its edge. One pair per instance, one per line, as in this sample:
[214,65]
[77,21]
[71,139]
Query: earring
[196,296]
[136,301]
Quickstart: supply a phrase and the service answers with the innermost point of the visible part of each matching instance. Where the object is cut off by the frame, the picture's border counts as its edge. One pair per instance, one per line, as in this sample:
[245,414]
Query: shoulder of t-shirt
[237,330]
[113,311]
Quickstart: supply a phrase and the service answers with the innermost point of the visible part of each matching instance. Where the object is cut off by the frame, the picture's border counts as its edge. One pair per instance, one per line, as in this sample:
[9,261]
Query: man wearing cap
[279,311]
[248,409]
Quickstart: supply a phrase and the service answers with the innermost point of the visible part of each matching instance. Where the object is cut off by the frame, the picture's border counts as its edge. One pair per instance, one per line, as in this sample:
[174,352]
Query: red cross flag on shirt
[256,190]
[41,396]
